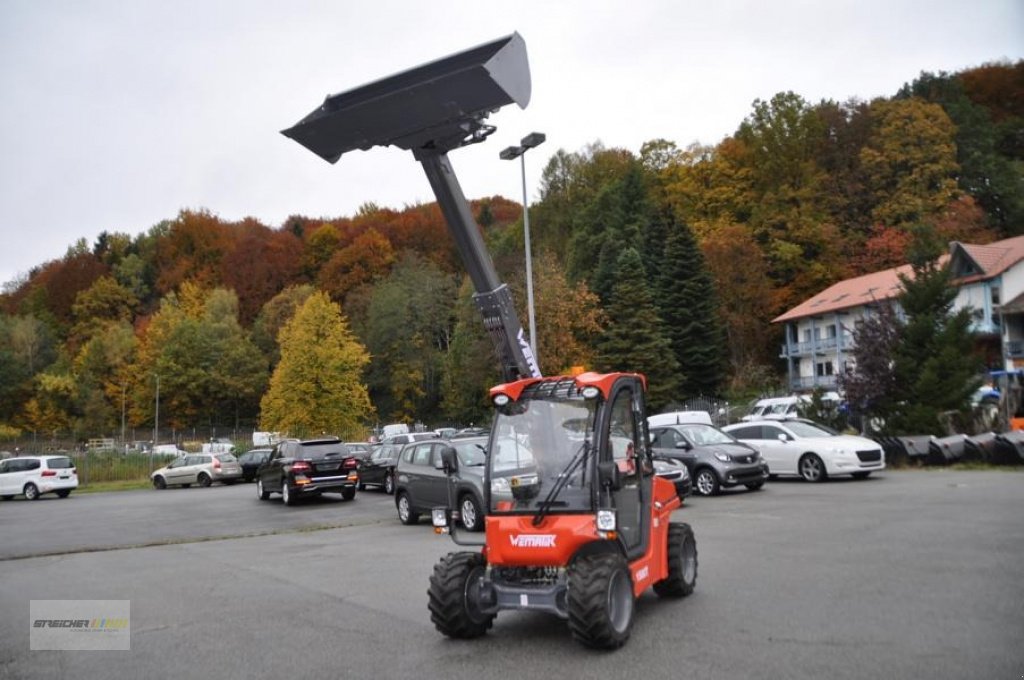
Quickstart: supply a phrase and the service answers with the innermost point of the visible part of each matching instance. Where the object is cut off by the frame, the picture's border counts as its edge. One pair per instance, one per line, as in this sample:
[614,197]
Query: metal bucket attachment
[440,105]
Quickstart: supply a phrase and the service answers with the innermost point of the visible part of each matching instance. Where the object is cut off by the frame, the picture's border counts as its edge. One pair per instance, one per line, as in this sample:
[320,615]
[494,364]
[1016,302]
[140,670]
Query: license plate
[327,468]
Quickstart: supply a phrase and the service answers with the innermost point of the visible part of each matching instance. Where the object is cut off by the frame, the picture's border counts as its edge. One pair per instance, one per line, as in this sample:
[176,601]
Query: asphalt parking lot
[913,574]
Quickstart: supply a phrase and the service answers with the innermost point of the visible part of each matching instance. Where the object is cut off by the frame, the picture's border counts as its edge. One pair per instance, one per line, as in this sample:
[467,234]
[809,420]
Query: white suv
[36,475]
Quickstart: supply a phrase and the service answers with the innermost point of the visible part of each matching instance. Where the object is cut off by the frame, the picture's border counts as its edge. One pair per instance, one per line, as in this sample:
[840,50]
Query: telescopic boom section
[430,110]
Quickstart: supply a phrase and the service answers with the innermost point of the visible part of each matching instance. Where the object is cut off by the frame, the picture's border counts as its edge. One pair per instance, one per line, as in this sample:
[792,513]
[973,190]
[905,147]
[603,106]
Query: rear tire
[204,480]
[682,562]
[405,513]
[601,603]
[159,482]
[286,493]
[64,493]
[31,492]
[812,469]
[348,493]
[453,596]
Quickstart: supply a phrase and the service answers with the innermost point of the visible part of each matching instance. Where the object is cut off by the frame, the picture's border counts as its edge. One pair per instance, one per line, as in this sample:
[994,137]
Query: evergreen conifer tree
[634,339]
[687,304]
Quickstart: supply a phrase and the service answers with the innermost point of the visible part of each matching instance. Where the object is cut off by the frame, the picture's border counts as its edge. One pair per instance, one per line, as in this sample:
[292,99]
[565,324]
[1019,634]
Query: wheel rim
[389,484]
[403,509]
[689,561]
[468,513]
[31,492]
[705,483]
[620,600]
[471,595]
[286,495]
[259,488]
[810,467]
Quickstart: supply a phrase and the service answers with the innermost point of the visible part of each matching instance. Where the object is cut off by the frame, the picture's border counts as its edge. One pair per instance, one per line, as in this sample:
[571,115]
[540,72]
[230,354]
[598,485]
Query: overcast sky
[117,115]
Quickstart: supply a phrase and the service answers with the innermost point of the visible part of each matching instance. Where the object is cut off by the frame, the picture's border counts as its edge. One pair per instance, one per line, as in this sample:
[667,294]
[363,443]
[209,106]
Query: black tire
[261,493]
[682,562]
[452,596]
[204,480]
[860,475]
[469,508]
[348,493]
[601,603]
[389,483]
[63,493]
[159,482]
[812,469]
[31,492]
[286,493]
[755,486]
[706,483]
[404,506]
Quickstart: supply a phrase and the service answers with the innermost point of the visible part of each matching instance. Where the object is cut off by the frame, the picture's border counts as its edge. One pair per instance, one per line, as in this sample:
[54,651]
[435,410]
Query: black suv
[714,458]
[298,469]
[421,483]
[378,468]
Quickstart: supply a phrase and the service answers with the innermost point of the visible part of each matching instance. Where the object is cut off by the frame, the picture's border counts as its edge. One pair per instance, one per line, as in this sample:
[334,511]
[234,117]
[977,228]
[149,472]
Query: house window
[824,368]
[995,295]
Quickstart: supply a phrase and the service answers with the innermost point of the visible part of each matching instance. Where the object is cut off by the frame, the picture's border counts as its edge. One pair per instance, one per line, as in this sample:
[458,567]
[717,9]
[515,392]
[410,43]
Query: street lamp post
[511,153]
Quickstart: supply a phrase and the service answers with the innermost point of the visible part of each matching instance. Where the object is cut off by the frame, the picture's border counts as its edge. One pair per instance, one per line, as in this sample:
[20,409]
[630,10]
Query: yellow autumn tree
[317,387]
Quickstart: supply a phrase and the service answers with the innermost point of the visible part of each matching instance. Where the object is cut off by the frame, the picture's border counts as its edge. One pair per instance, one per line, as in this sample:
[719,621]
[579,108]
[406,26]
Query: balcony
[825,346]
[809,382]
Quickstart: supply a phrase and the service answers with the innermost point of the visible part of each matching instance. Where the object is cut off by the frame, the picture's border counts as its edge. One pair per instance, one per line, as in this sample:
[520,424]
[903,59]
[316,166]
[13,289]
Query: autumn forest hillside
[671,261]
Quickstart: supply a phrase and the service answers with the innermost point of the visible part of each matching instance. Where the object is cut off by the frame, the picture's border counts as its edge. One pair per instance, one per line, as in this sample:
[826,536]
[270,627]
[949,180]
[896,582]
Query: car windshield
[703,435]
[533,442]
[802,428]
[472,452]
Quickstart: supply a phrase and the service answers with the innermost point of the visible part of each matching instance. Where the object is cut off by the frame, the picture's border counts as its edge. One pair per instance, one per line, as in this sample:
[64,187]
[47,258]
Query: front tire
[682,562]
[706,482]
[31,492]
[454,596]
[469,514]
[812,469]
[348,493]
[405,513]
[261,493]
[159,482]
[601,603]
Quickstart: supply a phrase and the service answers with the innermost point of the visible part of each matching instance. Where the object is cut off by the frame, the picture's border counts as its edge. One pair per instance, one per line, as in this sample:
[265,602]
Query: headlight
[840,452]
[606,520]
[500,485]
[724,457]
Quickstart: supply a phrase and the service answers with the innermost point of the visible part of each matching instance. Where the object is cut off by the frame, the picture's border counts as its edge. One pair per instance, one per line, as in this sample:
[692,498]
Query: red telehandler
[577,523]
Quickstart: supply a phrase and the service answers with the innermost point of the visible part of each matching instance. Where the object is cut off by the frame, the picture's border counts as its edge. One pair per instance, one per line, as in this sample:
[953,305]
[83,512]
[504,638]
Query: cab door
[625,443]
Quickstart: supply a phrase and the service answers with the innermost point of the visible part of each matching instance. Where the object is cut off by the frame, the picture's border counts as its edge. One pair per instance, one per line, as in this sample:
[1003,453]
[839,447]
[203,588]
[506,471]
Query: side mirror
[610,475]
[449,460]
[685,445]
[783,438]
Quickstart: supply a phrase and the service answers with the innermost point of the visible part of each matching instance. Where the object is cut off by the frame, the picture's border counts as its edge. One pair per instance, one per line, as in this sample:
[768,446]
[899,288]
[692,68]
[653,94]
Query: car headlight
[724,457]
[839,451]
[500,486]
